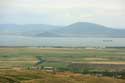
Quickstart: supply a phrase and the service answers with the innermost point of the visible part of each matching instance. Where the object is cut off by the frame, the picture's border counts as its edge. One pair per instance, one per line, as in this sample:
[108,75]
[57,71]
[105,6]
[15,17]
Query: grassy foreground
[28,76]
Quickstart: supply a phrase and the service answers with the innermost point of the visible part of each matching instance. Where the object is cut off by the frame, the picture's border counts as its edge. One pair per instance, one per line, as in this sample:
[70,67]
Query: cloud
[62,11]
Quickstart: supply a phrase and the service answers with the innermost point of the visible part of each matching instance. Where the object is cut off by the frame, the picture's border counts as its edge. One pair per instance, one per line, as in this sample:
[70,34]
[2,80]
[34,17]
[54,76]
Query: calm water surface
[66,42]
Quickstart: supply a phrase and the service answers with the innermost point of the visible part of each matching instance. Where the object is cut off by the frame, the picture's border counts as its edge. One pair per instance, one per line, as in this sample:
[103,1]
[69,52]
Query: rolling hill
[79,29]
[24,30]
[84,29]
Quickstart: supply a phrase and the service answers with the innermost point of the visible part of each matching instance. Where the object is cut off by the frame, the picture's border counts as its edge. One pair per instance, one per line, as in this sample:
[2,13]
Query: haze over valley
[79,29]
[80,34]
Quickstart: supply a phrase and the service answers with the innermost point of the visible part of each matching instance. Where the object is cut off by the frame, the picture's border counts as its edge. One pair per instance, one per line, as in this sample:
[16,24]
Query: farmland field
[22,57]
[76,60]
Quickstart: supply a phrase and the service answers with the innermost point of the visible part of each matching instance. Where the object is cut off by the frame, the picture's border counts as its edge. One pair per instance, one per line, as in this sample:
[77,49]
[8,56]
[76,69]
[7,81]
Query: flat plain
[14,64]
[10,57]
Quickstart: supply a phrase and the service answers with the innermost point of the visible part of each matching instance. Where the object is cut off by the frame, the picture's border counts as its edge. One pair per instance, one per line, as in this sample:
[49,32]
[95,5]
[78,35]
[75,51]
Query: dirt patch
[101,62]
[95,59]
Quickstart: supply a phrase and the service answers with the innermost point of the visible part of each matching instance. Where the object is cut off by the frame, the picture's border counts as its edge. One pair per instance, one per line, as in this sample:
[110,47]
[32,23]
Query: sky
[110,13]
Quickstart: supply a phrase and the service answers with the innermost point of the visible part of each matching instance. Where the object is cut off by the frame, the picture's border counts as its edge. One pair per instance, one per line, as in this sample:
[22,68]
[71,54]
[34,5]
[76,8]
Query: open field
[59,57]
[106,62]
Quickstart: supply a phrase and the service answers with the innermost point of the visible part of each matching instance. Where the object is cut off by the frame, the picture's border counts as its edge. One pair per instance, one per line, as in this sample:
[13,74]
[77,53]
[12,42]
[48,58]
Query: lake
[6,40]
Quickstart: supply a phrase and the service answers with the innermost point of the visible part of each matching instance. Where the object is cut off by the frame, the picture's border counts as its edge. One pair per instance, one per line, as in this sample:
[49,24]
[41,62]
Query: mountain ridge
[78,29]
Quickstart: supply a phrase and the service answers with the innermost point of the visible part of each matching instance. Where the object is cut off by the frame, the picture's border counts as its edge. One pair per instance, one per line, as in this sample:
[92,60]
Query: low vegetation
[28,76]
[94,65]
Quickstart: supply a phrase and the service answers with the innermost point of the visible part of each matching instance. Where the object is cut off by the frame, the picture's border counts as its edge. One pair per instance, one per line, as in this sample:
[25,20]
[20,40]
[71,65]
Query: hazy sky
[62,12]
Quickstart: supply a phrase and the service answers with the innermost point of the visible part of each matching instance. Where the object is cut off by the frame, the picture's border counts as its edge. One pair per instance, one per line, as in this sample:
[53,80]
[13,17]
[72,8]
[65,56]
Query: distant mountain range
[79,29]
